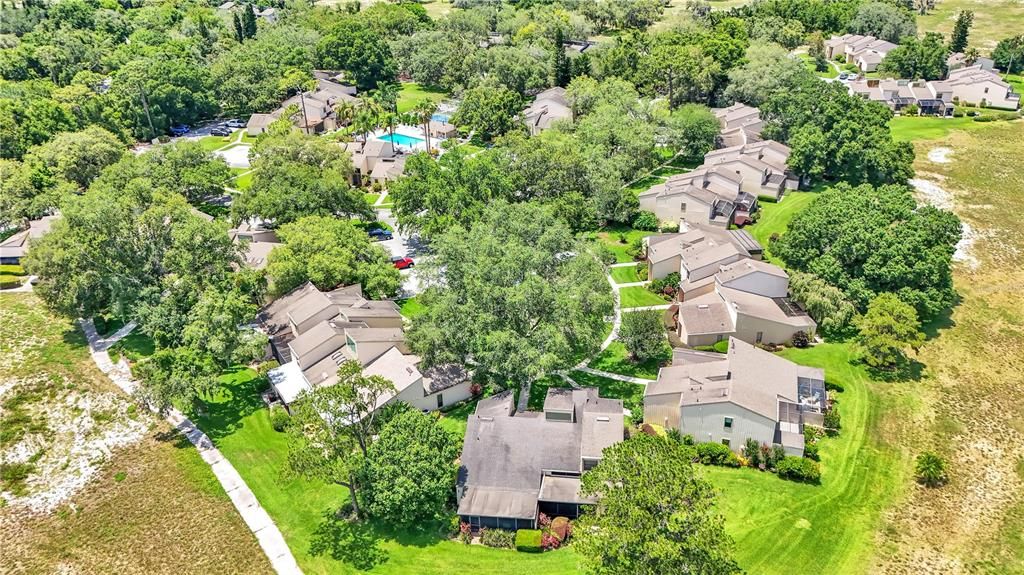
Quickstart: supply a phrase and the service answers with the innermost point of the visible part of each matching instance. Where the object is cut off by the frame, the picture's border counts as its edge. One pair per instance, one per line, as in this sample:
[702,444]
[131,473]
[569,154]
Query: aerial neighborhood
[425,286]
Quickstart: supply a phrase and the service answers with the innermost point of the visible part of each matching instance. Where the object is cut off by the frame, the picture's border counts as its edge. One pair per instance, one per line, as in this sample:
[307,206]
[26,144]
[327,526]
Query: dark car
[180,129]
[403,263]
[220,132]
[380,234]
[235,123]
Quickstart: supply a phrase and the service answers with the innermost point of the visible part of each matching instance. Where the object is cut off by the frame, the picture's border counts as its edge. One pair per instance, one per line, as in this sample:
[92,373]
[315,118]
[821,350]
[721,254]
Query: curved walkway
[255,517]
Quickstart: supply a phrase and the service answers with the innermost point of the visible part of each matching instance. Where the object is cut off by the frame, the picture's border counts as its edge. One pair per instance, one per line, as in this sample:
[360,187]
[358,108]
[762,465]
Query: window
[725,441]
[440,401]
[986,90]
[760,334]
[728,423]
[682,207]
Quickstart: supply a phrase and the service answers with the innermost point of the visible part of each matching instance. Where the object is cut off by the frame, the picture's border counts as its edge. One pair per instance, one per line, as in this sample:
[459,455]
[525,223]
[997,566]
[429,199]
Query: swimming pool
[401,140]
[440,118]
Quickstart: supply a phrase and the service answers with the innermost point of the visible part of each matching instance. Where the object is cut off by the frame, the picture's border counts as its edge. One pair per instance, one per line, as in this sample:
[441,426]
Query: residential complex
[866,52]
[257,242]
[516,465]
[548,107]
[740,123]
[313,332]
[969,86]
[375,161]
[746,393]
[317,109]
[15,247]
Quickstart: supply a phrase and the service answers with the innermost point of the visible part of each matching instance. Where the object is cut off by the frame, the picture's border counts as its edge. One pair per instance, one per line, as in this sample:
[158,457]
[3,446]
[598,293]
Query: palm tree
[423,112]
[345,111]
[387,96]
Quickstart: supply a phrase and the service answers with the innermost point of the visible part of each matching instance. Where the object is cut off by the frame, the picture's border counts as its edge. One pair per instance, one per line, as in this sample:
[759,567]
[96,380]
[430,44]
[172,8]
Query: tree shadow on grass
[237,398]
[941,322]
[904,371]
[356,543]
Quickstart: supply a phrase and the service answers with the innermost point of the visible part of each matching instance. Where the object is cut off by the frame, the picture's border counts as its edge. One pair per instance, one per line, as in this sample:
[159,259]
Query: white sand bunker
[933,194]
[940,155]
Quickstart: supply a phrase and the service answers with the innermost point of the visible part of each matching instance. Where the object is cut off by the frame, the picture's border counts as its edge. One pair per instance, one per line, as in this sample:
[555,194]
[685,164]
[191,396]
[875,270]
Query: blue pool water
[440,118]
[401,140]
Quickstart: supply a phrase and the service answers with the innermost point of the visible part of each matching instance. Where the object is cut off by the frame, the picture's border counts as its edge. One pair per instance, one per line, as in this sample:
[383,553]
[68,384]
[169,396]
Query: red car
[402,263]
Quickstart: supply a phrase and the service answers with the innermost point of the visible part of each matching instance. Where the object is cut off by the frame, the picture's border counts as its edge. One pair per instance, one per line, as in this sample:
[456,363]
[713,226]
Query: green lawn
[993,20]
[829,72]
[625,275]
[1016,81]
[412,93]
[211,143]
[785,527]
[639,296]
[609,236]
[631,394]
[243,181]
[371,198]
[776,216]
[12,270]
[411,307]
[644,184]
[133,347]
[912,128]
[239,425]
[615,359]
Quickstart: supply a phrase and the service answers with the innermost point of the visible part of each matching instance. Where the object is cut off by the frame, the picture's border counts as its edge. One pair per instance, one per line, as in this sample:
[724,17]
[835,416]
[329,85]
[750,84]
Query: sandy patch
[940,155]
[964,248]
[77,433]
[933,194]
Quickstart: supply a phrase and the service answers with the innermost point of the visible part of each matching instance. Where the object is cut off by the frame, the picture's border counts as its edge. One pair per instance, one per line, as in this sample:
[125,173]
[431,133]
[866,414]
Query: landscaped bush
[801,339]
[605,254]
[279,419]
[549,542]
[799,469]
[811,451]
[636,249]
[687,439]
[716,454]
[667,285]
[778,454]
[528,540]
[670,227]
[833,422]
[752,451]
[561,528]
[930,470]
[721,346]
[465,533]
[674,434]
[646,221]
[498,538]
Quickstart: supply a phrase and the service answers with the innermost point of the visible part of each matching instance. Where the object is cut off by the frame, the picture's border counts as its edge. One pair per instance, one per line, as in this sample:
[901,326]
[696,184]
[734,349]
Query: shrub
[799,469]
[667,285]
[636,249]
[777,455]
[544,520]
[465,533]
[549,542]
[801,339]
[476,389]
[811,451]
[911,110]
[674,434]
[716,454]
[623,238]
[670,227]
[688,439]
[646,221]
[561,528]
[752,451]
[832,421]
[605,254]
[721,346]
[264,368]
[930,470]
[958,113]
[498,538]
[279,419]
[636,416]
[641,270]
[528,540]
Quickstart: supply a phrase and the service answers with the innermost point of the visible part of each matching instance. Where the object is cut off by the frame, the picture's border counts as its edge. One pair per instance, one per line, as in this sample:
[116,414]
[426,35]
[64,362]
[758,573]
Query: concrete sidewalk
[255,517]
[615,376]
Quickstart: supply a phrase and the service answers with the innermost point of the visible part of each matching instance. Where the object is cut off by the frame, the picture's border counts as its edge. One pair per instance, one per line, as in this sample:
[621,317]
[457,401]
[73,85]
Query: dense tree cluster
[836,136]
[515,294]
[918,59]
[867,241]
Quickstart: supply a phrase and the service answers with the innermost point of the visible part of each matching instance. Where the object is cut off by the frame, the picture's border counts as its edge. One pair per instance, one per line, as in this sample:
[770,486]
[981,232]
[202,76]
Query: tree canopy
[330,252]
[520,299]
[656,514]
[918,59]
[883,20]
[888,328]
[867,241]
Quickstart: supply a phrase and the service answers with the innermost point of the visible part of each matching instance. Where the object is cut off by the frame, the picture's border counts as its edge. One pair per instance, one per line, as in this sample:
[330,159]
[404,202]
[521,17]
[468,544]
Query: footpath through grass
[786,527]
[239,425]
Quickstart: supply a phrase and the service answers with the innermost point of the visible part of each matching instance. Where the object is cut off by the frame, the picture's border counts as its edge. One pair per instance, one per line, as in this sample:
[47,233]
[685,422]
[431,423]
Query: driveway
[404,245]
[237,156]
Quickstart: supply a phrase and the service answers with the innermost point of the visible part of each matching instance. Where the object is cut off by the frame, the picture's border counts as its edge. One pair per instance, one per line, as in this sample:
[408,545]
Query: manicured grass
[829,72]
[1016,81]
[913,128]
[371,198]
[609,236]
[411,307]
[211,143]
[242,182]
[12,270]
[133,347]
[239,425]
[625,275]
[644,184]
[615,359]
[639,296]
[631,394]
[412,94]
[667,171]
[827,528]
[776,216]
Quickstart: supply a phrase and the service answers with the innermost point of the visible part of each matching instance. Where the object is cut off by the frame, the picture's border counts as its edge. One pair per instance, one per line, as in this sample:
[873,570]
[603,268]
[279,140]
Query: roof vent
[703,306]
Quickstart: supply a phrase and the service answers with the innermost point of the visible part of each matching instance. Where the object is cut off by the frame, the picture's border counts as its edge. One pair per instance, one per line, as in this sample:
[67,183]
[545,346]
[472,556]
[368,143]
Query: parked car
[843,76]
[180,130]
[235,123]
[403,263]
[220,132]
[380,234]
